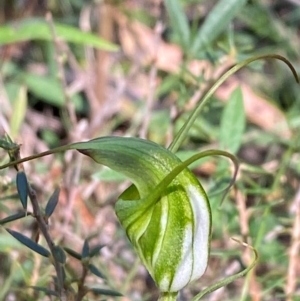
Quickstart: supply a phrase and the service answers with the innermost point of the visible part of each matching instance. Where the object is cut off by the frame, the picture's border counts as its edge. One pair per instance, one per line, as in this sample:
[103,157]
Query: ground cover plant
[155,70]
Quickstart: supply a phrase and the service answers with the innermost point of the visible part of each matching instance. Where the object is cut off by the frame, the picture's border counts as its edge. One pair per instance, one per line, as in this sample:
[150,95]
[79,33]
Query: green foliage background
[49,77]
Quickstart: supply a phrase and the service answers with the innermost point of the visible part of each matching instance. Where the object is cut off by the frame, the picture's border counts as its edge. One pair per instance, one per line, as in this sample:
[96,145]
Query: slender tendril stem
[181,135]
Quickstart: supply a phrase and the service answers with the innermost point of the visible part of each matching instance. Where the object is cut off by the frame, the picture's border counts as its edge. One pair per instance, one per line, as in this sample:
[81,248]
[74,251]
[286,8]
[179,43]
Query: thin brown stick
[152,82]
[243,214]
[81,288]
[59,61]
[250,284]
[43,227]
[105,30]
[294,257]
[71,174]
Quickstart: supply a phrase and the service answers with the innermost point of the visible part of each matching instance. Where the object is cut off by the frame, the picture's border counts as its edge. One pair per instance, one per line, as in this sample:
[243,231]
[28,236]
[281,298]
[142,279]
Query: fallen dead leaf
[139,42]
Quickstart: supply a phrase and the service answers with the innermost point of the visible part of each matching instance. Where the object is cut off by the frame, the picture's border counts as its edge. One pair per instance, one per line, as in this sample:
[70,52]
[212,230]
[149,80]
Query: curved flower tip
[167,219]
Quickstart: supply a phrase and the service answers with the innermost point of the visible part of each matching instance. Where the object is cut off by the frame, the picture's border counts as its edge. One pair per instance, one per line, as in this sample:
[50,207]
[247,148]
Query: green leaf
[13,217]
[39,29]
[18,111]
[72,253]
[8,139]
[179,22]
[49,89]
[59,254]
[29,243]
[85,249]
[8,242]
[216,21]
[95,271]
[8,145]
[95,250]
[4,144]
[104,291]
[51,205]
[45,290]
[260,21]
[233,122]
[22,187]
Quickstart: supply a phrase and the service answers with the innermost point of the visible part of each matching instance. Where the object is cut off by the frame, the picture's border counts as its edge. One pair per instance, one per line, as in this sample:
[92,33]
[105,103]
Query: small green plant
[165,212]
[62,285]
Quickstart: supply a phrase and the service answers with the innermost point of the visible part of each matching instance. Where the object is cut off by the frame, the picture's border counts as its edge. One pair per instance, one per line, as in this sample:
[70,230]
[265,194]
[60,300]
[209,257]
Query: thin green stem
[229,279]
[186,127]
[44,229]
[43,154]
[168,297]
[159,189]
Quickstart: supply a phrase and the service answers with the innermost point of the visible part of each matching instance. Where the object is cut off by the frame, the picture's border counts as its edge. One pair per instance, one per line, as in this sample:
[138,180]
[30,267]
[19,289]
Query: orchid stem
[168,297]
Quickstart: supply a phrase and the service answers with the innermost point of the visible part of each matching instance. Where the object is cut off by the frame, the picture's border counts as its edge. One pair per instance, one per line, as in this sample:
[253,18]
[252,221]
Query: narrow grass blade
[179,22]
[38,29]
[95,271]
[233,122]
[73,253]
[12,217]
[18,111]
[104,291]
[45,290]
[217,20]
[49,89]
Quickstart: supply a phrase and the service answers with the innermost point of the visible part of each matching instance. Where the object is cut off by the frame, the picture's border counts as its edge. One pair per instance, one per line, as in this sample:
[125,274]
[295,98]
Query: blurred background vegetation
[74,70]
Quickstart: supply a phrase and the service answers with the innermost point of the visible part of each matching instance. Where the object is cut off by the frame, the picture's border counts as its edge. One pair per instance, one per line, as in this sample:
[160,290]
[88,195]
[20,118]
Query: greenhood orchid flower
[165,213]
[168,220]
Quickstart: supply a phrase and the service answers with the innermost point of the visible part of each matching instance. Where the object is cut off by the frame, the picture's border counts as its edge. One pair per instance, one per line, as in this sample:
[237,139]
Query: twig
[294,251]
[81,288]
[5,108]
[71,175]
[254,290]
[43,227]
[61,77]
[105,30]
[152,82]
[243,214]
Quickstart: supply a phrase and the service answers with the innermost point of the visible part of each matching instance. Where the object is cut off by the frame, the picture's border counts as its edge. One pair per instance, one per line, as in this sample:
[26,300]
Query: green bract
[168,224]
